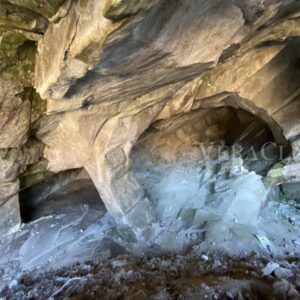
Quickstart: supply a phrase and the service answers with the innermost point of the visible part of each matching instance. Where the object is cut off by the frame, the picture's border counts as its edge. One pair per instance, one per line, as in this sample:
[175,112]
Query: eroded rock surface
[107,70]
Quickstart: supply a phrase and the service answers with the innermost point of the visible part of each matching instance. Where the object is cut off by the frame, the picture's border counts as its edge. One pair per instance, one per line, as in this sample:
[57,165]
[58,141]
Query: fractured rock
[14,116]
[7,190]
[11,219]
[122,66]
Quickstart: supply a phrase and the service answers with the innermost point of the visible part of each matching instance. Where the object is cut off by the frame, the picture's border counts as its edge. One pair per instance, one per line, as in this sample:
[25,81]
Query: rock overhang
[117,68]
[164,58]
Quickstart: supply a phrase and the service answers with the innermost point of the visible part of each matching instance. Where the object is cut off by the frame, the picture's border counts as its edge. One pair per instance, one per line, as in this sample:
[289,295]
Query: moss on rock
[15,17]
[46,8]
[17,58]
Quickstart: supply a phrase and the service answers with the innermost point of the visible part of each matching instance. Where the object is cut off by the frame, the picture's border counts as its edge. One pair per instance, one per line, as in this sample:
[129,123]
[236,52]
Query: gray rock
[108,70]
[283,273]
[270,268]
[11,219]
[284,290]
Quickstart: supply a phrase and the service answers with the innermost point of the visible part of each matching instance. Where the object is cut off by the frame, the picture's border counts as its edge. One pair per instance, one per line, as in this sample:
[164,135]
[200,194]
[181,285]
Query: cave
[64,193]
[175,160]
[150,149]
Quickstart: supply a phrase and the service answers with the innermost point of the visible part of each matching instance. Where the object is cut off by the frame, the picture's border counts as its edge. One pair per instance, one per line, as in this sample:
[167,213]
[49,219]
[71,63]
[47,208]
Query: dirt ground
[167,276]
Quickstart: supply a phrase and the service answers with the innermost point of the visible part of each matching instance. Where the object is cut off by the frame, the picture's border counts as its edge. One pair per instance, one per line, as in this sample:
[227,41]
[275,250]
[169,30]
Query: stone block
[291,173]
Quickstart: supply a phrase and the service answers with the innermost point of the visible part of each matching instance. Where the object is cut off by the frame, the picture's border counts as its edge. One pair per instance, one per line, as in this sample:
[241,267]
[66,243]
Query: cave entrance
[69,193]
[191,162]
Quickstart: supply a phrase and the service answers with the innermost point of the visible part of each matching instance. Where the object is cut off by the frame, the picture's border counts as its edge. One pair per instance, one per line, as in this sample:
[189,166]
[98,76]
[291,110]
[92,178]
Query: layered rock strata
[107,70]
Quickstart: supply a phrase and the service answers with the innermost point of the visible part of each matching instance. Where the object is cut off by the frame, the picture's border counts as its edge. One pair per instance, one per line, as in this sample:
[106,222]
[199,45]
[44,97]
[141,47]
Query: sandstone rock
[82,30]
[21,18]
[107,70]
[14,116]
[110,59]
[117,10]
[35,174]
[46,8]
[16,160]
[30,153]
[17,58]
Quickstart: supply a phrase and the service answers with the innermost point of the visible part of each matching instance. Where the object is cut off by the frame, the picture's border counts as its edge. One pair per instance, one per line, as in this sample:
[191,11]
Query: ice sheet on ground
[186,198]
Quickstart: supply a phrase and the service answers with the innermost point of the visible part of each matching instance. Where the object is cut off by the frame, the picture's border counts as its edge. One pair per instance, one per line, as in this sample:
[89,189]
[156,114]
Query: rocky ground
[185,276]
[74,250]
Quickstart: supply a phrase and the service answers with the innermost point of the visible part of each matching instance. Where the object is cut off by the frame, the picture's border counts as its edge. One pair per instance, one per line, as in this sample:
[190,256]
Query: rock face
[20,106]
[107,70]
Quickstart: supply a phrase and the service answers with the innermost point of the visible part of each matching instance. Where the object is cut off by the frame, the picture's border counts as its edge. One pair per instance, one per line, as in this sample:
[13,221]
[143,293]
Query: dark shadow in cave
[185,163]
[184,136]
[63,193]
[260,148]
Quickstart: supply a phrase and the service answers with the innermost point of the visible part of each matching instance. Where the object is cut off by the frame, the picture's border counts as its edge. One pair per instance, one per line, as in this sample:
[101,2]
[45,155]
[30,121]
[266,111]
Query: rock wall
[21,108]
[106,70]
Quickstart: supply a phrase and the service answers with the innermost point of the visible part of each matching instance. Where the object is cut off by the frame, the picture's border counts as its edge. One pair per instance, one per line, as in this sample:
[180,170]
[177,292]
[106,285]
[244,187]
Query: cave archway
[105,150]
[171,158]
[68,193]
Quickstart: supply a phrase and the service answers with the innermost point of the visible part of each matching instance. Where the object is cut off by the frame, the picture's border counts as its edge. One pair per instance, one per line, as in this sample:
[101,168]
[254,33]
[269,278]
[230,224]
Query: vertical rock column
[110,167]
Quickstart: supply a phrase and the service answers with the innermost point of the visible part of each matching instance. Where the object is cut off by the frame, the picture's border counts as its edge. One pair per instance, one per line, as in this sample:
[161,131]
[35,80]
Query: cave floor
[167,276]
[73,249]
